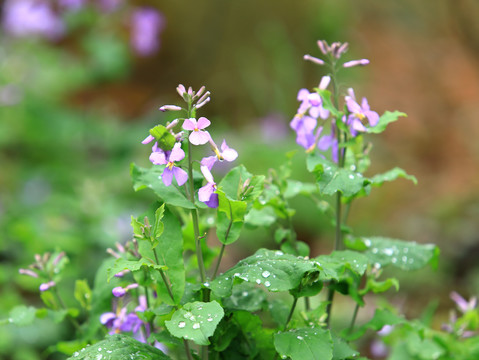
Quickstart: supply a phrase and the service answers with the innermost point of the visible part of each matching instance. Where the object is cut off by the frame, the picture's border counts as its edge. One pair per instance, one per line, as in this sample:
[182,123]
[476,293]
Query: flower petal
[189,124]
[204,193]
[148,139]
[177,153]
[213,202]
[207,174]
[199,137]
[180,175]
[158,158]
[203,123]
[167,176]
[209,161]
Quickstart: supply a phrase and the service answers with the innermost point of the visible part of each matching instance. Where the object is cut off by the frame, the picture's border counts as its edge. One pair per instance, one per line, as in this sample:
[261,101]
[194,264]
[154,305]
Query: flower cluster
[46,268]
[312,106]
[193,131]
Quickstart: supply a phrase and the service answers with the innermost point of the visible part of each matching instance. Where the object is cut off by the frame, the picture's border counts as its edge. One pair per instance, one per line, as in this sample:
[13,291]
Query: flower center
[170,165]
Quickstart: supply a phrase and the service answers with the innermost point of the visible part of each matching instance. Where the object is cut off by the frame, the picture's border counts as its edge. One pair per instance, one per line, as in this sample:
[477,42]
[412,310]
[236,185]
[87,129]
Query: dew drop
[266,273]
[394,260]
[207,284]
[367,242]
[181,324]
[388,252]
[404,258]
[258,281]
[375,250]
[244,293]
[299,337]
[99,349]
[351,176]
[267,283]
[99,357]
[210,319]
[196,326]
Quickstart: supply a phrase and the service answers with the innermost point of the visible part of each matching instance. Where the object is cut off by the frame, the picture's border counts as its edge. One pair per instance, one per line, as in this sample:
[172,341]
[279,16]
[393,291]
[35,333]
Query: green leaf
[401,254]
[384,120]
[274,269]
[151,178]
[245,297]
[334,265]
[132,265]
[342,351]
[332,179]
[165,140]
[425,349]
[119,347]
[379,286]
[22,315]
[327,104]
[391,175]
[170,255]
[83,294]
[235,210]
[305,344]
[295,187]
[265,217]
[159,227]
[196,321]
[232,183]
[254,189]
[227,230]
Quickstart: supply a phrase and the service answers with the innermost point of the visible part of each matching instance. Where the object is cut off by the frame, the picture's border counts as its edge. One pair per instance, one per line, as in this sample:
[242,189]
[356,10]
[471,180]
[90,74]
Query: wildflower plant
[162,296]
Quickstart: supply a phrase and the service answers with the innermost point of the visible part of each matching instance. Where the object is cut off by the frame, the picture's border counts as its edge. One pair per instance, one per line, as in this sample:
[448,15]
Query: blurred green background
[74,108]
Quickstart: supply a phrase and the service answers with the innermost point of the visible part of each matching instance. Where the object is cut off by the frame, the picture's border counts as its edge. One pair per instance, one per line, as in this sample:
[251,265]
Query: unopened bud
[170,108]
[313,59]
[181,90]
[46,286]
[122,273]
[323,46]
[203,98]
[118,291]
[361,62]
[201,104]
[325,80]
[199,92]
[112,253]
[342,49]
[58,258]
[28,272]
[172,124]
[120,247]
[190,91]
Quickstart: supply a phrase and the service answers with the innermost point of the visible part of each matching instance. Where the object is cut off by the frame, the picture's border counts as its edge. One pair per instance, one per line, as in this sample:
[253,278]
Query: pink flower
[197,136]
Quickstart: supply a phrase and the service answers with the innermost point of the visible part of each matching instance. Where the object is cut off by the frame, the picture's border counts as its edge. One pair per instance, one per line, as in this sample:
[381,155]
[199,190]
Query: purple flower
[146,25]
[358,113]
[206,194]
[312,103]
[226,153]
[159,157]
[463,305]
[31,17]
[46,286]
[118,291]
[197,136]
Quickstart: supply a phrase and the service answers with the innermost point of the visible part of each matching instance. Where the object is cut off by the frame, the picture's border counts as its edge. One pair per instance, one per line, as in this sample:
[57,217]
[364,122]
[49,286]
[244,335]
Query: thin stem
[353,320]
[307,305]
[64,307]
[329,306]
[290,315]
[187,349]
[220,256]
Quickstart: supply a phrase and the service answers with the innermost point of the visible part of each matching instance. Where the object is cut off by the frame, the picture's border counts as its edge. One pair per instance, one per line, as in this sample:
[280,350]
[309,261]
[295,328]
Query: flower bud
[199,92]
[199,105]
[58,258]
[323,46]
[181,90]
[361,62]
[170,108]
[28,272]
[118,291]
[172,124]
[313,59]
[325,80]
[46,286]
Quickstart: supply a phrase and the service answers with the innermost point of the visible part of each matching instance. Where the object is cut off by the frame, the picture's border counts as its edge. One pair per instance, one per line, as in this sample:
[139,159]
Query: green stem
[64,307]
[220,256]
[187,349]
[290,315]
[353,320]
